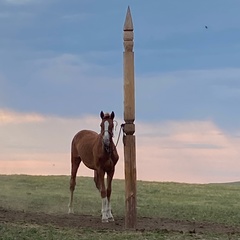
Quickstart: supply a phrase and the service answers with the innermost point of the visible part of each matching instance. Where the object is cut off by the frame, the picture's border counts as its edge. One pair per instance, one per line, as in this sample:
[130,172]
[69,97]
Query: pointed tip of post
[128,25]
[128,9]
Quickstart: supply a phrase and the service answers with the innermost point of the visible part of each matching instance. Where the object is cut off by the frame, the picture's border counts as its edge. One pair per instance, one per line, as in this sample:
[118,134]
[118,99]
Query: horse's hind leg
[75,165]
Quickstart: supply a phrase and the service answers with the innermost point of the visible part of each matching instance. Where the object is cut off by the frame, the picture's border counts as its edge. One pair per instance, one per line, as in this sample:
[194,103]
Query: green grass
[10,232]
[219,203]
[216,203]
[30,232]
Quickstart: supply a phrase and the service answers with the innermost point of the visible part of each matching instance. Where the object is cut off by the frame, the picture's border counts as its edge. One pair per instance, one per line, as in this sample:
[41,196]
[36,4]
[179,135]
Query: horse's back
[85,137]
[85,134]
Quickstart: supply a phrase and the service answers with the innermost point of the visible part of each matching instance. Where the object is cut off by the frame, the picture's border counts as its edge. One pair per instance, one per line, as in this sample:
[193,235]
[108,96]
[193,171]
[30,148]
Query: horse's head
[107,128]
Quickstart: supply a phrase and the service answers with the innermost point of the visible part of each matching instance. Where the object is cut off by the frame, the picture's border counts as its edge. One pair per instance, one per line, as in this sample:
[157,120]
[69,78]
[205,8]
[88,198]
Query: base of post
[130,182]
[131,216]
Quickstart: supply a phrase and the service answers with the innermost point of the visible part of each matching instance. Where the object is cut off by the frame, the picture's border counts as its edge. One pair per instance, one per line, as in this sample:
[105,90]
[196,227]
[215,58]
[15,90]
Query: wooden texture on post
[128,66]
[130,182]
[129,127]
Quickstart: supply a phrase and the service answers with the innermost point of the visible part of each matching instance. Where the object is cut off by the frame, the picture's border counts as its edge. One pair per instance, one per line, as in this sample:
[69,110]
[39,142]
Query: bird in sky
[206,26]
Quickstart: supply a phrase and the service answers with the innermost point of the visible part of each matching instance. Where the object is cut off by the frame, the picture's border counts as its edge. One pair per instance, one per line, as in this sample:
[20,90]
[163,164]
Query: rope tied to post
[121,129]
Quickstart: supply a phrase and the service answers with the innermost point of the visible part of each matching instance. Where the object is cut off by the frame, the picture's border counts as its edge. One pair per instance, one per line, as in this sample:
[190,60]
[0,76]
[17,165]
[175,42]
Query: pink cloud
[188,152]
[193,151]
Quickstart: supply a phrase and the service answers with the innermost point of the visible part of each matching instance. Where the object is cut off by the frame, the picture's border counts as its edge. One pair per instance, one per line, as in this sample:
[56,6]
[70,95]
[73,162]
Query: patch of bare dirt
[93,222]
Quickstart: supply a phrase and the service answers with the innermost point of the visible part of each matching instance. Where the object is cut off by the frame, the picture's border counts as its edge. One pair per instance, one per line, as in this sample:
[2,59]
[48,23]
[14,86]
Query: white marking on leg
[109,213]
[70,205]
[70,209]
[104,209]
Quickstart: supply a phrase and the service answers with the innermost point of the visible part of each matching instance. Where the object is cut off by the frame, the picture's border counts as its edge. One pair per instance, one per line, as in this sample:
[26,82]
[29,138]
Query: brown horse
[98,152]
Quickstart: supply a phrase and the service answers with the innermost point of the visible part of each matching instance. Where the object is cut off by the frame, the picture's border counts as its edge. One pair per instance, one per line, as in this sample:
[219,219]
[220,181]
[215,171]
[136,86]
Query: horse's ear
[112,115]
[101,114]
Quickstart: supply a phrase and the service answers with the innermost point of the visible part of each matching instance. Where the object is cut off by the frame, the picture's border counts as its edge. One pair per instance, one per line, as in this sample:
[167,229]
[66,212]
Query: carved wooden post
[129,127]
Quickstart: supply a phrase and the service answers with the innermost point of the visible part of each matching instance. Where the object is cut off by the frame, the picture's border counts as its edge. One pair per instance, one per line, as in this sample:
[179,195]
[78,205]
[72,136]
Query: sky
[61,64]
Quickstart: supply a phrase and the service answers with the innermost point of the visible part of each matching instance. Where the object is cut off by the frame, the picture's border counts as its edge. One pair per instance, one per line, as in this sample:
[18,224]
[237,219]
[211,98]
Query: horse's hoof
[105,220]
[70,211]
[111,219]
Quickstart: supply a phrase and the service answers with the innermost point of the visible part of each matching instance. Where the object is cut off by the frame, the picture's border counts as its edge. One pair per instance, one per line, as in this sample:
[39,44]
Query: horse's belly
[89,165]
[87,158]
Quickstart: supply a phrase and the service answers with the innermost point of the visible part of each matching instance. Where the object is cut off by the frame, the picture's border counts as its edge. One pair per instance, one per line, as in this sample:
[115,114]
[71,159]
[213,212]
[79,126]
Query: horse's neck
[99,141]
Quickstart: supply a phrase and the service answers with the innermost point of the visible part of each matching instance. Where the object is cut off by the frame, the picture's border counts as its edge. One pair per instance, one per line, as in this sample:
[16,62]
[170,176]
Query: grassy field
[211,203]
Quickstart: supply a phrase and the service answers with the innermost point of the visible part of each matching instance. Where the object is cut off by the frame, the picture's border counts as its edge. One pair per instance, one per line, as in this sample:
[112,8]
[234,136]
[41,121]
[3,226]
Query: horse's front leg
[103,192]
[109,191]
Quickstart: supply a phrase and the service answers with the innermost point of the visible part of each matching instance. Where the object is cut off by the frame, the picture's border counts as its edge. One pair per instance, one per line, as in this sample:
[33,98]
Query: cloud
[190,95]
[7,117]
[65,84]
[19,2]
[188,151]
[17,17]
[65,68]
[72,84]
[5,15]
[37,144]
[183,151]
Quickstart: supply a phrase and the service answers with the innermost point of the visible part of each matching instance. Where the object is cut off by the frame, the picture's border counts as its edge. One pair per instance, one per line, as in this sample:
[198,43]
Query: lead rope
[121,128]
